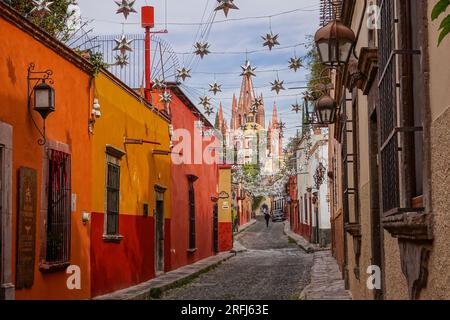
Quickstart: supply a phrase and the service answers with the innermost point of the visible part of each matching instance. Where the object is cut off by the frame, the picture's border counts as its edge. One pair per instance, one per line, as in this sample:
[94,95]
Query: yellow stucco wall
[124,115]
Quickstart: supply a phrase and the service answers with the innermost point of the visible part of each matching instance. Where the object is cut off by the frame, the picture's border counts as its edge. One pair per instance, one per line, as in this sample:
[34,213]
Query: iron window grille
[59,209]
[112,198]
[391,142]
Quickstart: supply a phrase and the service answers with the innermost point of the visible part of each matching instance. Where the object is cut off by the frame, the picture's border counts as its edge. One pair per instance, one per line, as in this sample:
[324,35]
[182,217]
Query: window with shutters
[112,194]
[59,209]
[192,214]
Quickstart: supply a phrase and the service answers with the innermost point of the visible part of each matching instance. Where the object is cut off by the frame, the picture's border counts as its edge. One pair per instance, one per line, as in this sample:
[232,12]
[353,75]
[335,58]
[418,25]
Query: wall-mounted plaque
[26,227]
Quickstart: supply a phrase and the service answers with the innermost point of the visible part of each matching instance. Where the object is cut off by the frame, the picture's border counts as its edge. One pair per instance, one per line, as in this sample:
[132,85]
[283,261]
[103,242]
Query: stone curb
[246,226]
[154,288]
[301,242]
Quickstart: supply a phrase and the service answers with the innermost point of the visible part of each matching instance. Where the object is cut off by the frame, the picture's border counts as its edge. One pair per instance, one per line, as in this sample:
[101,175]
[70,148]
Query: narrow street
[272,268]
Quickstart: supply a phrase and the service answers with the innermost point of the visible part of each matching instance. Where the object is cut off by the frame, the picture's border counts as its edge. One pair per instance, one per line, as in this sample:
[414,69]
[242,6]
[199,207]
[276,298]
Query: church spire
[234,115]
[275,116]
[247,94]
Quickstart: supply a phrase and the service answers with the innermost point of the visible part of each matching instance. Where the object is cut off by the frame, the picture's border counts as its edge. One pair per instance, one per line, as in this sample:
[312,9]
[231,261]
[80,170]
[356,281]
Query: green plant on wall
[440,8]
[55,22]
[97,60]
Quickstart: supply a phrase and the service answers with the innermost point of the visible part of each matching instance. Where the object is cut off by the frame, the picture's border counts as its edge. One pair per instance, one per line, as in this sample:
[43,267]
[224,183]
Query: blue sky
[229,36]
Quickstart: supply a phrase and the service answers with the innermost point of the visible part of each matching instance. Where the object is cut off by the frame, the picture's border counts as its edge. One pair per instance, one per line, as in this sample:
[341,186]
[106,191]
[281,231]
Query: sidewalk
[154,288]
[244,227]
[326,280]
[301,242]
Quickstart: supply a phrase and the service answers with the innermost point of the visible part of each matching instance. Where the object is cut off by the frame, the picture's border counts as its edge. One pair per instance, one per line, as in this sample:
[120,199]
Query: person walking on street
[267,217]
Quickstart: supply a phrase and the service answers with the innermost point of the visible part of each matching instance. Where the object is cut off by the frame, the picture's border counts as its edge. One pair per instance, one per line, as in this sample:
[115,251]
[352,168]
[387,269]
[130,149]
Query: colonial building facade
[389,153]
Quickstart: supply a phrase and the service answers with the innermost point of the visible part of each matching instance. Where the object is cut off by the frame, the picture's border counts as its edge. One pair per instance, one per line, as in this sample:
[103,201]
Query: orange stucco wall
[68,125]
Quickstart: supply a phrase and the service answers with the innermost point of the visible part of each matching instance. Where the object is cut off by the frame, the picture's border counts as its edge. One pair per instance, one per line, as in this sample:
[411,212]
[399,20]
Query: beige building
[389,153]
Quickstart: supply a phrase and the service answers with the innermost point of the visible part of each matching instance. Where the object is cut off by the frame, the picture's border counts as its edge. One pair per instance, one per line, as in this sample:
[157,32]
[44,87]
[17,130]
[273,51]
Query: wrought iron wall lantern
[334,43]
[42,95]
[326,109]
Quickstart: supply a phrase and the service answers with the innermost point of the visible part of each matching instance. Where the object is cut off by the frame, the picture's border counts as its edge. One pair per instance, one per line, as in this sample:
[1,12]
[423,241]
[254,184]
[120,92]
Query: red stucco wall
[127,264]
[205,188]
[225,236]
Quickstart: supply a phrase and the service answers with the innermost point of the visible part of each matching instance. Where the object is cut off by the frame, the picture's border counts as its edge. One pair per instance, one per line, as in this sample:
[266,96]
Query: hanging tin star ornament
[158,84]
[226,6]
[202,49]
[254,110]
[271,40]
[209,111]
[296,107]
[295,63]
[215,88]
[123,45]
[41,6]
[121,60]
[281,126]
[166,97]
[258,102]
[277,86]
[184,73]
[248,70]
[125,7]
[205,102]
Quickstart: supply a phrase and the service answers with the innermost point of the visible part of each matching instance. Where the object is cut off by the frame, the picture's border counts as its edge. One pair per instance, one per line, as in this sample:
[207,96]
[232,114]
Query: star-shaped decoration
[209,111]
[296,107]
[277,86]
[123,45]
[202,49]
[125,7]
[158,84]
[215,88]
[184,73]
[226,6]
[41,6]
[205,102]
[295,63]
[166,97]
[244,127]
[281,126]
[254,127]
[121,60]
[271,40]
[248,70]
[239,135]
[258,102]
[254,110]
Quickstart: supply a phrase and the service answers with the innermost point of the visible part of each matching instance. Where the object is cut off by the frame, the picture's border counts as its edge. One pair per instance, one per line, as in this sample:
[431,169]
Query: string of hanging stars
[202,48]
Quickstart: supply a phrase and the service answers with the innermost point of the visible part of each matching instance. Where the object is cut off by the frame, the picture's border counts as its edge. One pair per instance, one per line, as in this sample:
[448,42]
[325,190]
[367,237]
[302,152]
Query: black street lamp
[326,110]
[44,97]
[334,43]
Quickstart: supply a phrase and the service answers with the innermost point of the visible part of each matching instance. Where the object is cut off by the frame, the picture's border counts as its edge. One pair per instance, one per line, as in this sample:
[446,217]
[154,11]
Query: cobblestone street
[272,268]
